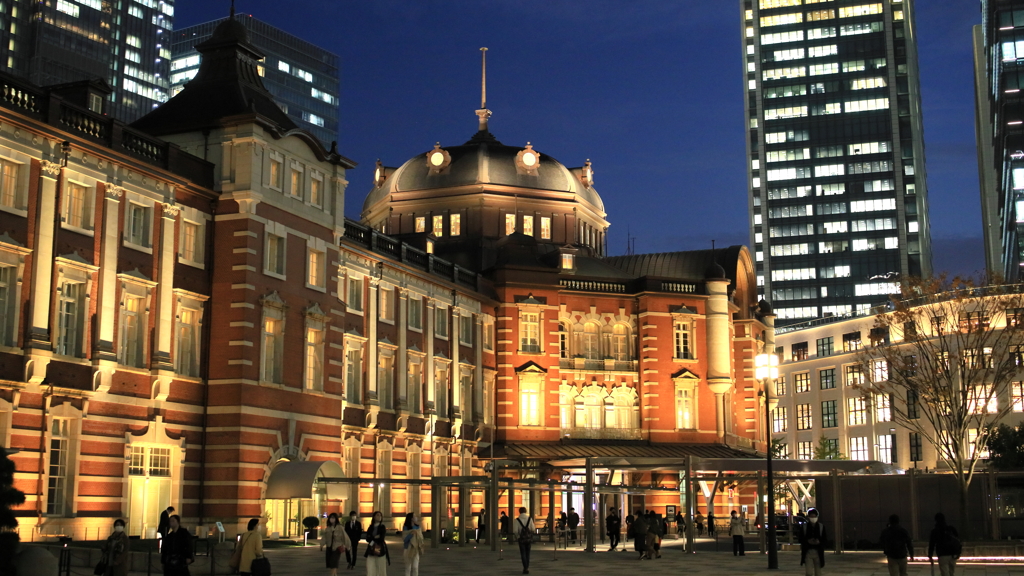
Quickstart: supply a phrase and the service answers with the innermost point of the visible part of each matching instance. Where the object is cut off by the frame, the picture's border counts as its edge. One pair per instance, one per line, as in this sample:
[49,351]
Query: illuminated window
[802,382]
[132,331]
[804,418]
[568,261]
[421,224]
[137,227]
[314,359]
[187,346]
[820,15]
[316,264]
[510,223]
[276,171]
[57,470]
[529,332]
[1017,396]
[805,450]
[70,318]
[455,222]
[275,254]
[78,206]
[355,294]
[781,19]
[438,226]
[386,310]
[859,448]
[857,411]
[353,373]
[296,183]
[780,420]
[273,346]
[316,186]
[10,195]
[528,225]
[530,402]
[441,322]
[685,416]
[863,10]
[545,228]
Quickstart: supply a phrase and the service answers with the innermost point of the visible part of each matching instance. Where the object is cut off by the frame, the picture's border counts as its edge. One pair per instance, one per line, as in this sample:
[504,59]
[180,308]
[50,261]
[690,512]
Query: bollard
[149,562]
[212,553]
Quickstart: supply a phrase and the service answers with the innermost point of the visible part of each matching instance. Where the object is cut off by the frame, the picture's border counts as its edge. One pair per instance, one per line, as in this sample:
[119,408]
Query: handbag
[101,568]
[260,567]
[236,556]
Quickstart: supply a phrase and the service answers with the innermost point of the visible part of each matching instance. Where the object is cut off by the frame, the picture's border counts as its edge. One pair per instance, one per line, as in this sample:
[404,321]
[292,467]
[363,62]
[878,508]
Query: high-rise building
[125,44]
[302,77]
[999,76]
[838,199]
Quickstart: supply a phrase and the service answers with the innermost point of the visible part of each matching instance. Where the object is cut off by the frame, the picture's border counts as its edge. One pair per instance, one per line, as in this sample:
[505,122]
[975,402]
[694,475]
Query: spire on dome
[483,112]
[232,9]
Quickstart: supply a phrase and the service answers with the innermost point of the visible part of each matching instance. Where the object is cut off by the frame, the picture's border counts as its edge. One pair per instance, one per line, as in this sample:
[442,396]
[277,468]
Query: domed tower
[460,201]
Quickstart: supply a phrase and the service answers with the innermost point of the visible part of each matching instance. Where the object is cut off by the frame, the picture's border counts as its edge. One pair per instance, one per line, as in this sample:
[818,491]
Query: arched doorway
[295,491]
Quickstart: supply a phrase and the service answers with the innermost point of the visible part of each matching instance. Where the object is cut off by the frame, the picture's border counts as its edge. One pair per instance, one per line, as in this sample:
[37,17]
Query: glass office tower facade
[123,42]
[999,78]
[302,77]
[838,200]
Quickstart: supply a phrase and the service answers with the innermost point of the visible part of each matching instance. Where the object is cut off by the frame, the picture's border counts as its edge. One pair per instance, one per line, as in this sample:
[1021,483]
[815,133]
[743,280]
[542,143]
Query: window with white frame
[859,448]
[192,243]
[621,348]
[590,343]
[272,346]
[316,264]
[355,294]
[686,416]
[386,310]
[415,312]
[314,358]
[530,401]
[12,193]
[1017,396]
[804,450]
[545,228]
[564,335]
[488,330]
[296,181]
[466,391]
[8,303]
[132,330]
[70,317]
[683,340]
[353,371]
[466,329]
[886,452]
[57,493]
[316,190]
[883,408]
[385,376]
[414,384]
[188,335]
[441,321]
[138,225]
[856,411]
[529,332]
[276,170]
[78,206]
[780,420]
[441,388]
[275,249]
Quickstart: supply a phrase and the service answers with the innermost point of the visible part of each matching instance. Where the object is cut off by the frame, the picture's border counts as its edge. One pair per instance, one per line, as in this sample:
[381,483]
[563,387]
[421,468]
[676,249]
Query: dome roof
[482,160]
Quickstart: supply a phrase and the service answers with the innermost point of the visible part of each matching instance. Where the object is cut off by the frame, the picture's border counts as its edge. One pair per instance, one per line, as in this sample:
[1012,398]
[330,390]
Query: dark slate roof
[611,448]
[228,85]
[690,265]
[590,267]
[482,160]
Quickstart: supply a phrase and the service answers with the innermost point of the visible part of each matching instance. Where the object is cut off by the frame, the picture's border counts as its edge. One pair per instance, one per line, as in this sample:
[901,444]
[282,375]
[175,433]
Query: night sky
[652,91]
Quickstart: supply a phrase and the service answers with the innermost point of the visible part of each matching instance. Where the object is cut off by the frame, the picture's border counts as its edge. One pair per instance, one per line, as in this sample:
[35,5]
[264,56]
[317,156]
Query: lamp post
[767,369]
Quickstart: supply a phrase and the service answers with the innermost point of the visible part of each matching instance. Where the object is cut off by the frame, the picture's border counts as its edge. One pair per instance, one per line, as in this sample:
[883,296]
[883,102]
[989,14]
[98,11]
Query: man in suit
[481,524]
[574,522]
[165,522]
[354,530]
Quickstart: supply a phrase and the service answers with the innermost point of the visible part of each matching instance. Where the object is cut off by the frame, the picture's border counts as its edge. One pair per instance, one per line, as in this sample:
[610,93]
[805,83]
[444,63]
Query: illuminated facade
[126,44]
[302,77]
[838,199]
[998,53]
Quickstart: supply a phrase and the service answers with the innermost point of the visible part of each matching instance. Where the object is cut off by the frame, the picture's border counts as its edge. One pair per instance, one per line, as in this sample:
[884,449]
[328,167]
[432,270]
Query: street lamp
[767,369]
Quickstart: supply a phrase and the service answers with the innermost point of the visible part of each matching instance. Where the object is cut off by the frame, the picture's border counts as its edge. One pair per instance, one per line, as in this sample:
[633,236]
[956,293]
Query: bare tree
[944,357]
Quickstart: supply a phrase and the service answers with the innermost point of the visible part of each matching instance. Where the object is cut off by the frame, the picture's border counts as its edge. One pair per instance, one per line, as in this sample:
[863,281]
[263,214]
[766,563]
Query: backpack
[952,543]
[525,536]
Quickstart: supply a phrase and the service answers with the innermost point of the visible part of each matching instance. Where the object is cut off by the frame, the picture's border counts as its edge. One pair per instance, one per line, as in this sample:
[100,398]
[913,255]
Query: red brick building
[188,319]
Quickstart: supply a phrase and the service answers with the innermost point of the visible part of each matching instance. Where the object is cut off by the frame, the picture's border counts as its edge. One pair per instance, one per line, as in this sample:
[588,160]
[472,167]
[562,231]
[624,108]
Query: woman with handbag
[115,552]
[176,550]
[412,542]
[377,557]
[335,540]
[250,547]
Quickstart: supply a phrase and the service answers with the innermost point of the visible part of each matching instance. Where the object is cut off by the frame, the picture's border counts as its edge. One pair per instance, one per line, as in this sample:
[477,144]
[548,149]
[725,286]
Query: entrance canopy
[722,464]
[296,480]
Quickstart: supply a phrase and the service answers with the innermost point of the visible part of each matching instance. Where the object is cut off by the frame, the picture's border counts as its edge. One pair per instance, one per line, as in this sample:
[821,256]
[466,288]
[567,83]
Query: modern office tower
[123,43]
[838,200]
[999,77]
[302,77]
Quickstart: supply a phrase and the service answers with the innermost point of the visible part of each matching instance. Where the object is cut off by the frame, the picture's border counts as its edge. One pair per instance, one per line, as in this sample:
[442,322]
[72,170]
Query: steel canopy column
[588,502]
[492,505]
[435,513]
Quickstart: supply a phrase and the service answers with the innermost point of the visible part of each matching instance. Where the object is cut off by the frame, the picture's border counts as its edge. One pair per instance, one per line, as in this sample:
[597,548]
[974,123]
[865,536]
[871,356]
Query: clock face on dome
[436,159]
[528,159]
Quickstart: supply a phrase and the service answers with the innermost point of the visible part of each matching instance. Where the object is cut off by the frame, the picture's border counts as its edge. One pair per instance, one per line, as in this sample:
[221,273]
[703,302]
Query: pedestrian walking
[711,522]
[115,551]
[525,530]
[481,524]
[377,556]
[574,522]
[250,547]
[680,522]
[165,522]
[614,526]
[563,526]
[354,531]
[176,551]
[897,547]
[335,540]
[698,520]
[944,543]
[505,525]
[736,531]
[630,519]
[812,545]
[640,535]
[412,543]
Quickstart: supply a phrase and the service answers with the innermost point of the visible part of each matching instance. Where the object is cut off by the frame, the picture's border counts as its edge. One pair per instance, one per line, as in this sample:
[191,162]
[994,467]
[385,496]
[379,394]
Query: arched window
[620,343]
[591,347]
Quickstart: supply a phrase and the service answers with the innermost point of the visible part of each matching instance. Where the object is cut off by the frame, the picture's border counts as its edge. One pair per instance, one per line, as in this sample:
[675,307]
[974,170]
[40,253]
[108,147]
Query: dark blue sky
[650,90]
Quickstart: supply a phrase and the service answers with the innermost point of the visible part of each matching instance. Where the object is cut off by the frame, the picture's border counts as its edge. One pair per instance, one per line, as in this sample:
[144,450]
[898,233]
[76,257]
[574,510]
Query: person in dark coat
[165,521]
[614,526]
[680,522]
[504,524]
[711,522]
[354,529]
[897,546]
[630,519]
[812,544]
[574,522]
[377,556]
[176,551]
[944,542]
[640,529]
